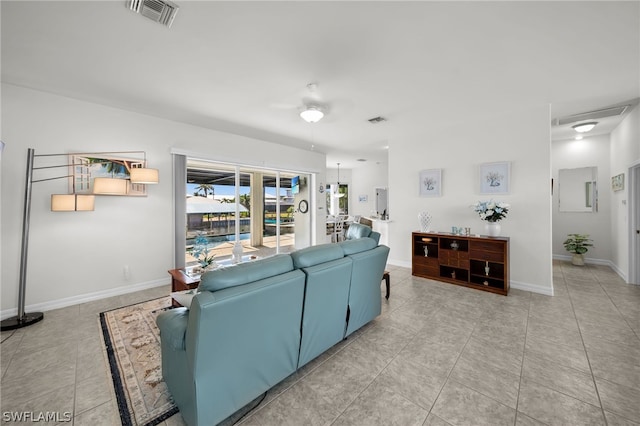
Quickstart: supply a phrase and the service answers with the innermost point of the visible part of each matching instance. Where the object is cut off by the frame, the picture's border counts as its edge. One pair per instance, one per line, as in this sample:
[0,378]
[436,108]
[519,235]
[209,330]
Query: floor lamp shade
[72,203]
[146,176]
[110,186]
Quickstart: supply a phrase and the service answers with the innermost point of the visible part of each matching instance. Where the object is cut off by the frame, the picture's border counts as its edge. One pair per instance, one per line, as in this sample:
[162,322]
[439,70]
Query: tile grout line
[451,370]
[524,349]
[593,377]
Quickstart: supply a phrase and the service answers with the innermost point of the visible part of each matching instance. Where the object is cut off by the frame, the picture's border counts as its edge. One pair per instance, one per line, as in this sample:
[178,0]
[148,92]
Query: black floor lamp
[24,319]
[60,202]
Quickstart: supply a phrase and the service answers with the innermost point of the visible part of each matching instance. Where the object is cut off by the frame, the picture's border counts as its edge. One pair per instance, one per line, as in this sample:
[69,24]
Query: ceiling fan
[312,107]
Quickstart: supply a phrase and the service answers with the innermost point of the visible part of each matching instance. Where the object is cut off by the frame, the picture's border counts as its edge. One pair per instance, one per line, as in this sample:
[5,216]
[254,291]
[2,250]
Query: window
[338,199]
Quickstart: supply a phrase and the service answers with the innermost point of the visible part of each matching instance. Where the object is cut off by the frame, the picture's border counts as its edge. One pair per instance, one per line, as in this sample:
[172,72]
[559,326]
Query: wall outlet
[126,271]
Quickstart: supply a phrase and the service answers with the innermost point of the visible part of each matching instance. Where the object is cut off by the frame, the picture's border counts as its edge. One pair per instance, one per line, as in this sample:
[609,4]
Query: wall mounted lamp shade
[72,203]
[110,186]
[312,114]
[585,127]
[146,176]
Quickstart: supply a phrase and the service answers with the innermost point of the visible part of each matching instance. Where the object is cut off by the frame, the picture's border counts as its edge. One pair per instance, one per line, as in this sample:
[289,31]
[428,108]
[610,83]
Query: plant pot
[492,229]
[577,259]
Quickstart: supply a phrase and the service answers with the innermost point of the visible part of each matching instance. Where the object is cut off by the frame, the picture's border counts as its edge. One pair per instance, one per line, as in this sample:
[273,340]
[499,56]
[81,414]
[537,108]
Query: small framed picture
[431,183]
[363,198]
[494,178]
[617,182]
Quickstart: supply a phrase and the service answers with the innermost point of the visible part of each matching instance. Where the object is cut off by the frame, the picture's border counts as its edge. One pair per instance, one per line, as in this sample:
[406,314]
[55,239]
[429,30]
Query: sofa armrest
[173,326]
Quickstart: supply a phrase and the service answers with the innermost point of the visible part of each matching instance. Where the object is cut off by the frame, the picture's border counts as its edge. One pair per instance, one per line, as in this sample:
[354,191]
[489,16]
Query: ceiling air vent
[592,115]
[161,11]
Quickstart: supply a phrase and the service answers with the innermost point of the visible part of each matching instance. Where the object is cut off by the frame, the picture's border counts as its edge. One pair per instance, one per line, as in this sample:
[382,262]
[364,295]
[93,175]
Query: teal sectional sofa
[254,324]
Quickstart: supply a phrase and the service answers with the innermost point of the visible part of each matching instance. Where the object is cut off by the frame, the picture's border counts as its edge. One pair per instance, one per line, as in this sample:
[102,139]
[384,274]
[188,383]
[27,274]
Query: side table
[181,281]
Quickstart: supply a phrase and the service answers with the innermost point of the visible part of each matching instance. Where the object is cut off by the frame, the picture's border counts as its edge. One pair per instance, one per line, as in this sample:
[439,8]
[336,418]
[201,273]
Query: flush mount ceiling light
[312,114]
[585,127]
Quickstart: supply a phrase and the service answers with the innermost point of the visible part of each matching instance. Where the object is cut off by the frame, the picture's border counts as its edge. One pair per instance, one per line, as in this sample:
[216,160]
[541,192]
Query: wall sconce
[62,203]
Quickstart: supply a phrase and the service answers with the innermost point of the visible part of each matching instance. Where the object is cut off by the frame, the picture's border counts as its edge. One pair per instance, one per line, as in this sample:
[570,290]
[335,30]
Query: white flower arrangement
[491,211]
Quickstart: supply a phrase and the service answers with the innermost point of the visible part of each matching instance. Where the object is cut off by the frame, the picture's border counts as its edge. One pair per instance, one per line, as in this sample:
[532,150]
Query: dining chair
[338,230]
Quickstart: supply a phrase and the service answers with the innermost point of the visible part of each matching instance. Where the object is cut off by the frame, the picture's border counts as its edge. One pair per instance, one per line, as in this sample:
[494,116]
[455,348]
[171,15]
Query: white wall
[79,256]
[571,154]
[522,137]
[625,151]
[366,178]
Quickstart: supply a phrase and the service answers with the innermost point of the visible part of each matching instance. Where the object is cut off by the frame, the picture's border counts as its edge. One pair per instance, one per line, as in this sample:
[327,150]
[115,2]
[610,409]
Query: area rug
[132,342]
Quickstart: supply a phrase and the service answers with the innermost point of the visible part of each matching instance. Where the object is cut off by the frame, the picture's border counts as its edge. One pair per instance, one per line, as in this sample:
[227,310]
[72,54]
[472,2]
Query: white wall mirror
[382,202]
[578,190]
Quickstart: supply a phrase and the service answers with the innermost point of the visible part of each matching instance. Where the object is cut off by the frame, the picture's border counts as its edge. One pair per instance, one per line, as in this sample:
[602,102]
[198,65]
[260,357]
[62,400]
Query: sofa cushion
[315,255]
[173,326]
[357,230]
[246,272]
[356,246]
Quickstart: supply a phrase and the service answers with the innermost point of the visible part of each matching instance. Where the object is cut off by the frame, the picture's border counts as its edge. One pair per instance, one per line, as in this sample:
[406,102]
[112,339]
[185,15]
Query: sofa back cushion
[357,230]
[247,272]
[316,255]
[356,246]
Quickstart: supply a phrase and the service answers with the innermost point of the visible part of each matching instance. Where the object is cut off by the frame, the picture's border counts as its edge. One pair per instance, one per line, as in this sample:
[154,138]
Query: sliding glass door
[230,203]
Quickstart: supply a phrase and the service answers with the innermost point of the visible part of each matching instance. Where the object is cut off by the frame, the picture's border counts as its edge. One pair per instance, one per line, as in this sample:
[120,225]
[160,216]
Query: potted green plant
[578,245]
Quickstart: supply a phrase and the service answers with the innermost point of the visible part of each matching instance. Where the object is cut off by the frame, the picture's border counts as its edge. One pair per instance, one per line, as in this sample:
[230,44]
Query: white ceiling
[243,67]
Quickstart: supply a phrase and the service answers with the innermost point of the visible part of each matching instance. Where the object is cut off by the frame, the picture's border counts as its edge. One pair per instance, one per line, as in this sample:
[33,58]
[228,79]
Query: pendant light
[336,192]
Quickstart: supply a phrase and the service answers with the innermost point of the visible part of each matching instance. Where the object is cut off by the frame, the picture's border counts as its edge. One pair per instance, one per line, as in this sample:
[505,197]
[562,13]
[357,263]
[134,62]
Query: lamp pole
[23,319]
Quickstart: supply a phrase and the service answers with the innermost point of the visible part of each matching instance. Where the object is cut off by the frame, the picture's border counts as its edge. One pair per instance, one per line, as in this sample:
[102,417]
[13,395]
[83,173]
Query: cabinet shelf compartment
[446,243]
[419,244]
[492,282]
[447,272]
[496,270]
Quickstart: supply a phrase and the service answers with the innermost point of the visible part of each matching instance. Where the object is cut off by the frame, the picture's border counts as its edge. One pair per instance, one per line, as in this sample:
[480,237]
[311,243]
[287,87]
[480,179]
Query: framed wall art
[617,182]
[494,177]
[86,168]
[431,183]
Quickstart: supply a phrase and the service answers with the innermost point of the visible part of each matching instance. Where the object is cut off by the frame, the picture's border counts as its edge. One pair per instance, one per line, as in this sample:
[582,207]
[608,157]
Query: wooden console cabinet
[476,262]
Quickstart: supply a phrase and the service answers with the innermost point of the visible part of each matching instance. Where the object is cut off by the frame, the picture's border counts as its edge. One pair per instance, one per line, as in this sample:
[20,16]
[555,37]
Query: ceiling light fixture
[312,114]
[585,127]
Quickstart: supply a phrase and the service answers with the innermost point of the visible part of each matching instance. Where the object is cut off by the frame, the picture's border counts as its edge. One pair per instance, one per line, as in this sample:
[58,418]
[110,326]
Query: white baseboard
[400,263]
[534,288]
[593,261]
[513,284]
[83,298]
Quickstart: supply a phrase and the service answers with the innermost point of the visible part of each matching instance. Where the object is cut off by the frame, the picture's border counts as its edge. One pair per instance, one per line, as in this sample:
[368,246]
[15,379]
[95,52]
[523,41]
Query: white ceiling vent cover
[161,11]
[592,115]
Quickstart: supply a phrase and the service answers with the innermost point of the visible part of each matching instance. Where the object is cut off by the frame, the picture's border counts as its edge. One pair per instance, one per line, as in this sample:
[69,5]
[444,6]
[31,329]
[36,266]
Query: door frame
[634,223]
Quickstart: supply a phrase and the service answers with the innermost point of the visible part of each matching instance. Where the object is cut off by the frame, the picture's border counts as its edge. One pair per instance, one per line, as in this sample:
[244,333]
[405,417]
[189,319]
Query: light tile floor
[438,355]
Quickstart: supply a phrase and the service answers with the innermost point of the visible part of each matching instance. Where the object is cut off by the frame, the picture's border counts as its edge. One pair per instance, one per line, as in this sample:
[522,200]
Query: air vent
[592,115]
[376,120]
[161,11]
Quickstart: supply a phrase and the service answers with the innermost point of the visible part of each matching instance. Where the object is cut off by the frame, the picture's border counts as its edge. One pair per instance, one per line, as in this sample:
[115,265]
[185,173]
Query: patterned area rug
[132,342]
